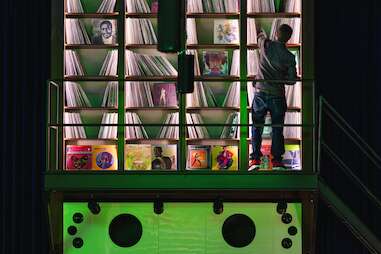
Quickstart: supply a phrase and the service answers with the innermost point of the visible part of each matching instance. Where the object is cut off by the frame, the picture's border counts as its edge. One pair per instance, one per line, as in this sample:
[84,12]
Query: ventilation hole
[78,218]
[125,230]
[238,230]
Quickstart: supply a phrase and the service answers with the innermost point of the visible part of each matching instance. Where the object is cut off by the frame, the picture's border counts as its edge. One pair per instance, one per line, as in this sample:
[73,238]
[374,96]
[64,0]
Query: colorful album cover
[226,31]
[198,157]
[164,94]
[78,157]
[137,157]
[291,158]
[105,157]
[224,157]
[104,31]
[164,157]
[215,63]
[266,160]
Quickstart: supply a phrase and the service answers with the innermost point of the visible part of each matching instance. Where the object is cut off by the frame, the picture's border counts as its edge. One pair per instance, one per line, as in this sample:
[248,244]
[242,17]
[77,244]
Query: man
[106,34]
[276,62]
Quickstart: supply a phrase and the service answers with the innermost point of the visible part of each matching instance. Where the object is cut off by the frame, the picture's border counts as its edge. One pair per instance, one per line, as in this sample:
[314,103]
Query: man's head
[158,151]
[106,29]
[284,33]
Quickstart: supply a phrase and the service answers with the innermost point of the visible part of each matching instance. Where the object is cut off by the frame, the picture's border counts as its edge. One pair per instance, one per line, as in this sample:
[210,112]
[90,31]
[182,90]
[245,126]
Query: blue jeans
[277,106]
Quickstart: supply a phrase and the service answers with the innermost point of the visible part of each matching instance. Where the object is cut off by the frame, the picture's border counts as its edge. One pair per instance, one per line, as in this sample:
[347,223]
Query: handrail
[354,224]
[347,170]
[376,159]
[350,220]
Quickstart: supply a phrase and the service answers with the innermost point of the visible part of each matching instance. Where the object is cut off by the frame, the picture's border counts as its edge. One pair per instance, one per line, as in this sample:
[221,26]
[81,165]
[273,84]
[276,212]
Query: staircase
[329,117]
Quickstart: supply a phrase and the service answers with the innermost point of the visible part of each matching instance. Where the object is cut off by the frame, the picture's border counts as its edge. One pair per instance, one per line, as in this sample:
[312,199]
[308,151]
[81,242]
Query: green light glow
[186,228]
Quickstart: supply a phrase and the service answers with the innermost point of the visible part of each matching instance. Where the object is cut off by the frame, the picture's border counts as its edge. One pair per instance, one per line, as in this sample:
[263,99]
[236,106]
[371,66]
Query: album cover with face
[104,31]
[215,63]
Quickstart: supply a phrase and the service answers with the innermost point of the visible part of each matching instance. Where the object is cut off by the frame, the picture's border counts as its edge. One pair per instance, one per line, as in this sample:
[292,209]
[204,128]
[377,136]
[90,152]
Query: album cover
[78,157]
[105,157]
[164,157]
[164,94]
[104,31]
[225,157]
[215,63]
[291,158]
[226,31]
[198,157]
[137,157]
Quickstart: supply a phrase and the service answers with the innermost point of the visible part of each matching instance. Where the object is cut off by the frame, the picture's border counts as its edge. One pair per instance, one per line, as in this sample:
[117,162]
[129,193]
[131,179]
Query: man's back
[276,62]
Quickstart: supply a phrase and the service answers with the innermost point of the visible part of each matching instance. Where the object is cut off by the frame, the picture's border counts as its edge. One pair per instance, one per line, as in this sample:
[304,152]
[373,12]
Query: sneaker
[278,165]
[254,164]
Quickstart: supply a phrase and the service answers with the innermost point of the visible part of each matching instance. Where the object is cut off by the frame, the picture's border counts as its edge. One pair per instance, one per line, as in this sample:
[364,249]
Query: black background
[348,70]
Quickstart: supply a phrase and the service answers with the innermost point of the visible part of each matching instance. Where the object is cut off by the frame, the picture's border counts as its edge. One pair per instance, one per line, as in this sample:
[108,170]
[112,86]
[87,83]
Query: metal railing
[354,224]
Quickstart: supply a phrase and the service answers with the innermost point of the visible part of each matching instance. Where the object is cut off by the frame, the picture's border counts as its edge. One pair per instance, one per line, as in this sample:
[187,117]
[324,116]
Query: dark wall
[25,64]
[348,39]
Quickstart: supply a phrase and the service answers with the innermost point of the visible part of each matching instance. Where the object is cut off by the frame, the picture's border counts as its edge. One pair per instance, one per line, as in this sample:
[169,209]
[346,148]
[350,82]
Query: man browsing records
[276,62]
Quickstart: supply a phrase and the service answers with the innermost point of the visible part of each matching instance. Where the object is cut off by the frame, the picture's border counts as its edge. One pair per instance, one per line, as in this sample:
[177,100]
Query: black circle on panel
[72,230]
[238,230]
[286,243]
[292,230]
[286,218]
[281,207]
[125,230]
[77,242]
[78,218]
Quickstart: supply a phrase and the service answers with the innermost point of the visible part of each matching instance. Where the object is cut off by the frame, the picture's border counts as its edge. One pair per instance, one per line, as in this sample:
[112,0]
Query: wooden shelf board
[151,78]
[213,15]
[90,109]
[92,15]
[141,46]
[212,108]
[215,78]
[90,78]
[141,15]
[273,15]
[213,46]
[91,46]
[156,108]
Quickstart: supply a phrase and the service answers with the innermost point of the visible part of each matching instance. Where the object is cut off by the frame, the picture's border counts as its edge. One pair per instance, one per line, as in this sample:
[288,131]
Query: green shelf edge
[63,181]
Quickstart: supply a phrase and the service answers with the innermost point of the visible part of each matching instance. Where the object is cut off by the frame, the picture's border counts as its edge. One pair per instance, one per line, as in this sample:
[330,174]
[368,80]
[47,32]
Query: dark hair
[107,22]
[284,33]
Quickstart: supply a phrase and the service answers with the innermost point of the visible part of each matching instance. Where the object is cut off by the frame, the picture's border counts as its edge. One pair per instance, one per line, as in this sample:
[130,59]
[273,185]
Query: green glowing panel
[187,228]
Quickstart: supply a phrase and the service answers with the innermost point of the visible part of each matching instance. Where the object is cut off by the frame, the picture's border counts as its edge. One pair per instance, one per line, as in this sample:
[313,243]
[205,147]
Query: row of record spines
[139,94]
[172,132]
[141,31]
[193,6]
